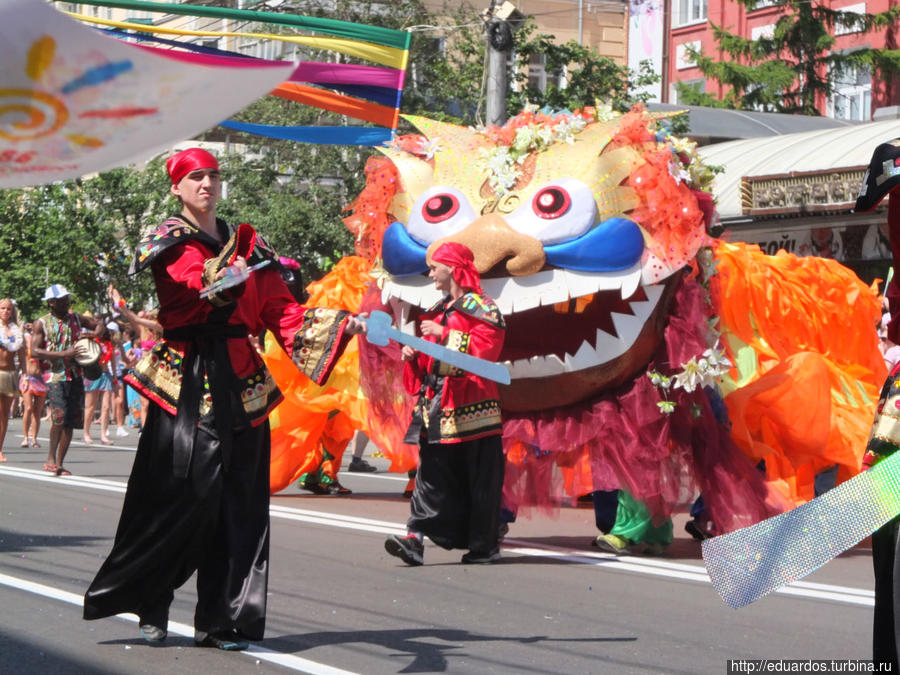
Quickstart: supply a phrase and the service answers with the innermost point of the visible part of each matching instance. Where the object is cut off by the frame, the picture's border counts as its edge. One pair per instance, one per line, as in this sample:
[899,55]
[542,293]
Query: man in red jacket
[456,421]
[198,495]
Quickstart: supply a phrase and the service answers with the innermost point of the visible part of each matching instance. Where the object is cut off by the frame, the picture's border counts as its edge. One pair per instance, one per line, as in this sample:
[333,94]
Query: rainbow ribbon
[367,93]
[749,563]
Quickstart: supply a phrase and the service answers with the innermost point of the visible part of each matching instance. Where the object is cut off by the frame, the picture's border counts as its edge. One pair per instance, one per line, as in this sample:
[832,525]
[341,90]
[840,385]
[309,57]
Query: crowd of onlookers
[111,407]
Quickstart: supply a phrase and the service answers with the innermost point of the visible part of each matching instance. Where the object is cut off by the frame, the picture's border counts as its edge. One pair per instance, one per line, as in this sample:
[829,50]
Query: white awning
[808,151]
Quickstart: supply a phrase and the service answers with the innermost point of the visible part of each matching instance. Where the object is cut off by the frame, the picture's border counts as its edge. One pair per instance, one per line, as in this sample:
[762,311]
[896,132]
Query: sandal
[25,442]
[105,441]
[35,444]
[51,468]
[87,440]
[63,472]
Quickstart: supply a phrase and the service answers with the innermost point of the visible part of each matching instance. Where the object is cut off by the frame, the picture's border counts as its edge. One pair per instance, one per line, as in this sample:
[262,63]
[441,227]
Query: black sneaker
[696,530]
[359,465]
[228,640]
[472,558]
[315,488]
[153,634]
[336,488]
[154,625]
[409,549]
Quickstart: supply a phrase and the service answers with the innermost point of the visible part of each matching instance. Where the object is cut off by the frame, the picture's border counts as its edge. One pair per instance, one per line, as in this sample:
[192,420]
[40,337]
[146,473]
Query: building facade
[665,31]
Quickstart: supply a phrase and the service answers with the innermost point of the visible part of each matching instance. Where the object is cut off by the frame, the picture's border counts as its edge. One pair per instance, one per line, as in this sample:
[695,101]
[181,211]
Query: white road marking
[297,663]
[608,561]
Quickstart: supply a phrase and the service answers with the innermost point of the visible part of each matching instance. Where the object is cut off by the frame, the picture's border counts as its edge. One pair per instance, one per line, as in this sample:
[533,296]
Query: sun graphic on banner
[29,114]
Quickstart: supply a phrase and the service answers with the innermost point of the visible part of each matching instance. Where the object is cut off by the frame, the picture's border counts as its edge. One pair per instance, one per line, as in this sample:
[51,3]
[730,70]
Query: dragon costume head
[579,224]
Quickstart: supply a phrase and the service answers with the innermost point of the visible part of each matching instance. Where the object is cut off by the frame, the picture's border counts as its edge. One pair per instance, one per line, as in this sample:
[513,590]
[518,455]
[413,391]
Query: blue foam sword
[379,331]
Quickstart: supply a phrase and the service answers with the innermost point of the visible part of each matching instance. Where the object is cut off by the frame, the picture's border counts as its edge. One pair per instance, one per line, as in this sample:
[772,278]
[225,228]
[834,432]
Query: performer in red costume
[198,495]
[456,420]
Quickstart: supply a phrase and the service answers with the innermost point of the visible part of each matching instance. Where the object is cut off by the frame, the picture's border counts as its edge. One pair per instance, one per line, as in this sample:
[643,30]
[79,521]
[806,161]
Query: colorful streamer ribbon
[749,563]
[387,56]
[344,105]
[354,31]
[383,85]
[370,136]
[368,93]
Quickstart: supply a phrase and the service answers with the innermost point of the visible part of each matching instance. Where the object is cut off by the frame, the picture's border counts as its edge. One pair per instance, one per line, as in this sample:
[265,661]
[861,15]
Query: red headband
[182,163]
[462,260]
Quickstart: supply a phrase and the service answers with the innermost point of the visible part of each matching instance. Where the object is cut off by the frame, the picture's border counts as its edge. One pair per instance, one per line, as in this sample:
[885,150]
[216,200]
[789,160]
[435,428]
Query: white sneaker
[120,432]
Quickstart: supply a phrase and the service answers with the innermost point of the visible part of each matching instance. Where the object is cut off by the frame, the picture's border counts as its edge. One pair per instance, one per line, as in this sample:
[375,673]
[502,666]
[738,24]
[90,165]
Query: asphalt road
[338,603]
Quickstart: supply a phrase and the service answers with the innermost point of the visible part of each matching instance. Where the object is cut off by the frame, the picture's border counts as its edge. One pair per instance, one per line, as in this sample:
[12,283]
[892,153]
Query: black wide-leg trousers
[214,521]
[456,500]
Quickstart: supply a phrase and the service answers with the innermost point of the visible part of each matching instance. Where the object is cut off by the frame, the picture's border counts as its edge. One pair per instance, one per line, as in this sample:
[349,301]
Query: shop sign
[801,192]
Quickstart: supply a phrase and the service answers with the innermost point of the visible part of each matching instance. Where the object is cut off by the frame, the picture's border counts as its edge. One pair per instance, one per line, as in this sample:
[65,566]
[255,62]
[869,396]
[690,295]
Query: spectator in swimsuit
[34,394]
[11,341]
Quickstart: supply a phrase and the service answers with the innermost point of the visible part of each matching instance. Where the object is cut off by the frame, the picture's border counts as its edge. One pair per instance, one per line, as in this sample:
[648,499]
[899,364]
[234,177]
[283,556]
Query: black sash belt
[207,354]
[427,407]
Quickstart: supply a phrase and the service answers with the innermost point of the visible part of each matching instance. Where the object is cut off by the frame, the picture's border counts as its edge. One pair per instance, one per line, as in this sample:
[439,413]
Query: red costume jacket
[454,405]
[184,260]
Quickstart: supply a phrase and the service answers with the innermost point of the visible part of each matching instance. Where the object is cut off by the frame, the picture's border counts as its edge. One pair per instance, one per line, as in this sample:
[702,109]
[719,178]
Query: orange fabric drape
[810,323]
[312,417]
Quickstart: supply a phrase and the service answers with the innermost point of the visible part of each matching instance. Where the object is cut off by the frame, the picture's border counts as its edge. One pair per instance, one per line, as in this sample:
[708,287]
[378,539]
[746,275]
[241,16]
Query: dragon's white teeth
[585,357]
[504,304]
[519,369]
[628,327]
[609,345]
[406,326]
[556,291]
[418,291]
[580,284]
[525,302]
[630,283]
[642,308]
[494,287]
[553,364]
[518,294]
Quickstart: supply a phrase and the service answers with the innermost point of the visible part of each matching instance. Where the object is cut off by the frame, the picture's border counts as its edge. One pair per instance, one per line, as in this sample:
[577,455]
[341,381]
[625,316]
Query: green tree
[793,69]
[78,233]
[449,83]
[589,78]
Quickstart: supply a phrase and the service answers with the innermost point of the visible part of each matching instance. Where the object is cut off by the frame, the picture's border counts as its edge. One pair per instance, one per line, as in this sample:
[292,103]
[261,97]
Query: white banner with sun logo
[74,101]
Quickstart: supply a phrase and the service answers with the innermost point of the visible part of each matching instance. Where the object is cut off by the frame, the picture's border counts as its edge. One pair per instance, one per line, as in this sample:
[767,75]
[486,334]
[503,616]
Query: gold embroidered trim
[159,373]
[470,420]
[458,341]
[314,343]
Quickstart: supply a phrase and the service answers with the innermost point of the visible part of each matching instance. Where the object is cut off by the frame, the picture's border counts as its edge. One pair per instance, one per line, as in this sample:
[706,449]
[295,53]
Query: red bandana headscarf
[462,260]
[182,163]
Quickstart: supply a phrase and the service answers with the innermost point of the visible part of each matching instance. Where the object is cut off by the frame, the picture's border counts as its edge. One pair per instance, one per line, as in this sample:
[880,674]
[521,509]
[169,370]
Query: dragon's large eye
[559,211]
[439,212]
[440,208]
[551,202]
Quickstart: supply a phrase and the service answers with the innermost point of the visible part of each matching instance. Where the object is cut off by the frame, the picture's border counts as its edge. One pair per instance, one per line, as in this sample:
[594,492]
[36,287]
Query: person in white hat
[53,340]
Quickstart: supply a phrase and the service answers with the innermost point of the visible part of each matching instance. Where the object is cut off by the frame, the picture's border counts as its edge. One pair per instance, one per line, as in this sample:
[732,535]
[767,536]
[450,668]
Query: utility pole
[500,22]
[496,77]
